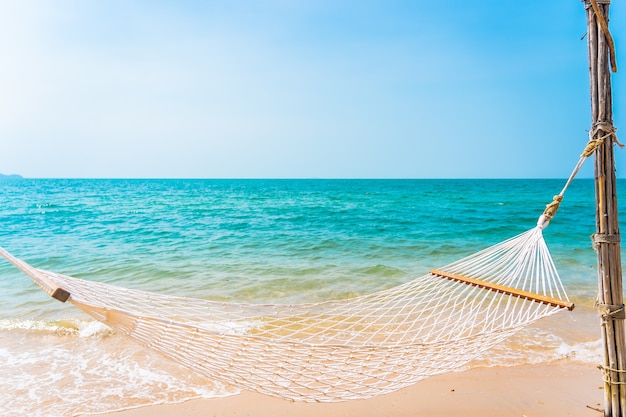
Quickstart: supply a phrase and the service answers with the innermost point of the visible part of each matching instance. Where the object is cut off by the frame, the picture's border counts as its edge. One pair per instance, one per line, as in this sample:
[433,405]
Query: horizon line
[19,177]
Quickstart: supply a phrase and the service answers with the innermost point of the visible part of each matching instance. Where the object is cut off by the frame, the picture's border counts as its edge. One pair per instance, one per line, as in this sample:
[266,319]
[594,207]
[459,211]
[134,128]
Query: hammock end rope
[551,209]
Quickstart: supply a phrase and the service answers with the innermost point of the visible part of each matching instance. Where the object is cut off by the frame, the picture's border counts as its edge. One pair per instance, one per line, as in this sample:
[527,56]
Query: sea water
[266,241]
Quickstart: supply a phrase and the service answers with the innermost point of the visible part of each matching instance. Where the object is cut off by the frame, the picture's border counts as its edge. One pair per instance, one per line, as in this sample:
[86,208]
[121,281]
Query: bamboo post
[607,237]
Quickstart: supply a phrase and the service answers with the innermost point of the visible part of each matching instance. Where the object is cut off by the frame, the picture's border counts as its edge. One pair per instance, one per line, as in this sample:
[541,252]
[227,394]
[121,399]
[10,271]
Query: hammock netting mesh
[336,350]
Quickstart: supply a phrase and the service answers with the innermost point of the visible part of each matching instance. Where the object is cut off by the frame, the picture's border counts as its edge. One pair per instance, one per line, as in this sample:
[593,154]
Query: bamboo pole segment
[607,237]
[555,302]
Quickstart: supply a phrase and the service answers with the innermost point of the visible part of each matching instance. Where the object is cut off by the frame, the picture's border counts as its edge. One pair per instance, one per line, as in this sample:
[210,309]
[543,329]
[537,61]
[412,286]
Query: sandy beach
[563,388]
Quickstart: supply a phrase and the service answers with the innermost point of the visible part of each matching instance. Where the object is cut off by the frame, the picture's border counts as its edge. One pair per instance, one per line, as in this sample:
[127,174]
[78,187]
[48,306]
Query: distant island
[11,177]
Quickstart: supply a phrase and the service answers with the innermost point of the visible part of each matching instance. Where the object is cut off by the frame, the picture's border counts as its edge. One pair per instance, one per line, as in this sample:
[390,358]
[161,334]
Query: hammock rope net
[337,350]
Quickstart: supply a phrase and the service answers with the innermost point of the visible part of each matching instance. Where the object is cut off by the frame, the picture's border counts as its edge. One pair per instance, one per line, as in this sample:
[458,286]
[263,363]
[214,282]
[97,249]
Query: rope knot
[611,311]
[597,238]
[609,131]
[553,206]
[610,375]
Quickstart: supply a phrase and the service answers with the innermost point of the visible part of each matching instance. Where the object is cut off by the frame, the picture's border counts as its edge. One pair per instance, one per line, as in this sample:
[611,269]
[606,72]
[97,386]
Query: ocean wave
[80,328]
[590,352]
[60,376]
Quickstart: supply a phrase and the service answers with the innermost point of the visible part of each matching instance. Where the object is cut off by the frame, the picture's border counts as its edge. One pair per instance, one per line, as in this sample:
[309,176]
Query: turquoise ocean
[265,241]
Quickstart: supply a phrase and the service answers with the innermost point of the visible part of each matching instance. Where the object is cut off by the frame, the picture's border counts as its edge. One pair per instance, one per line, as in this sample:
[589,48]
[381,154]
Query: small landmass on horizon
[12,176]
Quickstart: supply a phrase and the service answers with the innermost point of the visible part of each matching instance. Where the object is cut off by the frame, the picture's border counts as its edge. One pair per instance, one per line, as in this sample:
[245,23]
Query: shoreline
[564,388]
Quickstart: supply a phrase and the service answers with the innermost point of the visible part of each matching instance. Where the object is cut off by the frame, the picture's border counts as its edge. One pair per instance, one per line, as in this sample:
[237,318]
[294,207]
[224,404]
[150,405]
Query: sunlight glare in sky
[301,89]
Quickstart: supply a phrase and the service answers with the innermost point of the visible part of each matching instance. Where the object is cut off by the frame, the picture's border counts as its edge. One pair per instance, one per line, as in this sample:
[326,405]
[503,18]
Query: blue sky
[297,89]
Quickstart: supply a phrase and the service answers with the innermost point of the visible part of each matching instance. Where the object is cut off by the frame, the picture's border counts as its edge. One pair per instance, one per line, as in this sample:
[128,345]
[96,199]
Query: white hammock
[337,350]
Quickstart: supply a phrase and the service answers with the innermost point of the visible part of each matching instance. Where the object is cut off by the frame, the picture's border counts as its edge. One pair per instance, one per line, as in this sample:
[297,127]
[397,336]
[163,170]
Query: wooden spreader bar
[504,289]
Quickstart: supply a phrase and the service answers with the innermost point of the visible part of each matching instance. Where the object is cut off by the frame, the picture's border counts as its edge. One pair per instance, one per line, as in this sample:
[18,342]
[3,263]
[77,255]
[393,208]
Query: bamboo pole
[607,236]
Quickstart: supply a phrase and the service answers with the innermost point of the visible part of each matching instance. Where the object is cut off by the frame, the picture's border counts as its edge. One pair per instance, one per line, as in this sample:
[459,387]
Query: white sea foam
[94,328]
[35,325]
[66,374]
[81,328]
[590,352]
